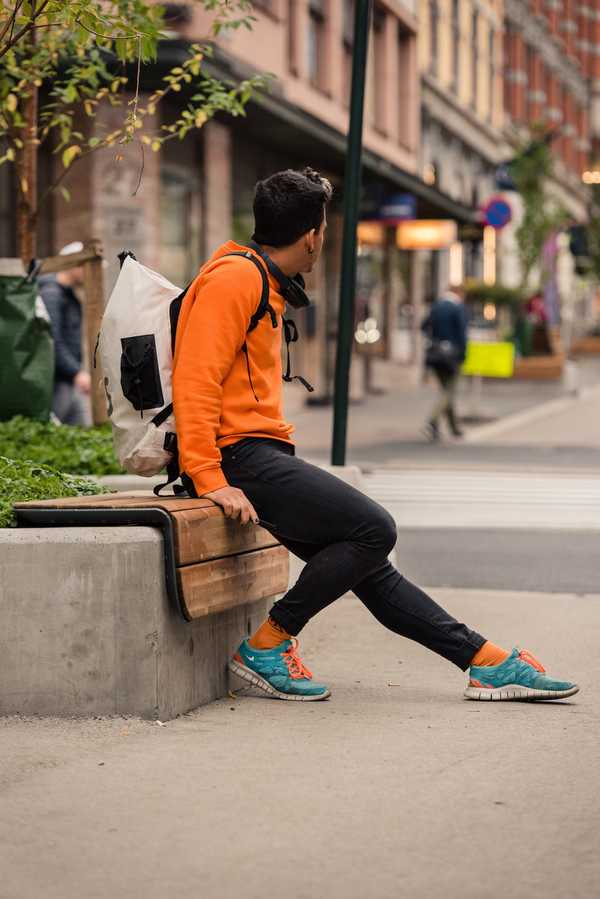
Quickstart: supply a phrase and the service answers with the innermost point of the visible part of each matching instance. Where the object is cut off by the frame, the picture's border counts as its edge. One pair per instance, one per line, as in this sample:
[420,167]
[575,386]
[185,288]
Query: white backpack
[136,345]
[136,353]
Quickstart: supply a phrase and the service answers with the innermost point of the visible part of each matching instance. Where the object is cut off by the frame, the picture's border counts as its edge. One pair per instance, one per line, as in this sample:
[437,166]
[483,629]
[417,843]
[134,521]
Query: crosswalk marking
[420,498]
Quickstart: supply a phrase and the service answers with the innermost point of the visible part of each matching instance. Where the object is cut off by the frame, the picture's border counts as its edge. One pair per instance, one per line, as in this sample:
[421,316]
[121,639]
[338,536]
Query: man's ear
[310,239]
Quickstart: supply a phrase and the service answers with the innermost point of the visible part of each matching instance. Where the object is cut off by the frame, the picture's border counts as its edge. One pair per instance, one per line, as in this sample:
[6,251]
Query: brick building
[551,54]
[438,120]
[195,194]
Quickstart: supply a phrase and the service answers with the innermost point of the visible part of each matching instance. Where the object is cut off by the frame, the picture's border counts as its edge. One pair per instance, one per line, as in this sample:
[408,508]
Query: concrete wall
[86,628]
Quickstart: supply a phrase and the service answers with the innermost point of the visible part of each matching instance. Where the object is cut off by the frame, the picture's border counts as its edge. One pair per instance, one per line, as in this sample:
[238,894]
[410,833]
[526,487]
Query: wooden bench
[212,563]
[128,604]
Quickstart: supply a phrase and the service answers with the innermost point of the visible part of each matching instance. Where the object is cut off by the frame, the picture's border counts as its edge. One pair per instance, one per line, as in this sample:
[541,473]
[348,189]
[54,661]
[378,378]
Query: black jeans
[345,538]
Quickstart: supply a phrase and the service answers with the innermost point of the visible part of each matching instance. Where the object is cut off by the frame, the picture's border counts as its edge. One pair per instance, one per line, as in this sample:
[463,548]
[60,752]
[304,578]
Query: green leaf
[70,154]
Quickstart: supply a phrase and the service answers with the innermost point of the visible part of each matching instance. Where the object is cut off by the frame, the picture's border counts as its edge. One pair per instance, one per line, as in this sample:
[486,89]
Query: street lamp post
[352,181]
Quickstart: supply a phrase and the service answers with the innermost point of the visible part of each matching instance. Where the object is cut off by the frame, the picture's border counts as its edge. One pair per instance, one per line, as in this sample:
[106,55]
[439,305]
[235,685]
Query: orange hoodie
[212,395]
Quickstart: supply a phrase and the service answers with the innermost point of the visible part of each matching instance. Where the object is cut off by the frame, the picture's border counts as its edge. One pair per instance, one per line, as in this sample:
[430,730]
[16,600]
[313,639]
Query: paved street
[396,788]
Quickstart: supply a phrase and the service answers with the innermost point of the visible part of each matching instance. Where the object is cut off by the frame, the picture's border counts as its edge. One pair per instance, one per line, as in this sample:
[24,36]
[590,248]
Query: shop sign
[489,360]
[371,233]
[398,208]
[426,234]
[504,178]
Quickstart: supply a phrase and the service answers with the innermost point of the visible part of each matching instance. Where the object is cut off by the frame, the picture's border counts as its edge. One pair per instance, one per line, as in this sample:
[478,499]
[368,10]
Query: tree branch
[10,24]
[110,37]
[83,155]
[14,39]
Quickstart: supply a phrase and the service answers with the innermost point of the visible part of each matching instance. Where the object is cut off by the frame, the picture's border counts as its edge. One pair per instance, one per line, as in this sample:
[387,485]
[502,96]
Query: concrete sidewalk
[573,421]
[380,426]
[394,789]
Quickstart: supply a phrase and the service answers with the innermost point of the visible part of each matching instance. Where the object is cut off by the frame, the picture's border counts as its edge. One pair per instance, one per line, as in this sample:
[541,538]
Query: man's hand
[83,382]
[234,503]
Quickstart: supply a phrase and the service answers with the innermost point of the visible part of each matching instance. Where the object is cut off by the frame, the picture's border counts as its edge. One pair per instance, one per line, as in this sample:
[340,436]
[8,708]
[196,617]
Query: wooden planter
[586,346]
[540,368]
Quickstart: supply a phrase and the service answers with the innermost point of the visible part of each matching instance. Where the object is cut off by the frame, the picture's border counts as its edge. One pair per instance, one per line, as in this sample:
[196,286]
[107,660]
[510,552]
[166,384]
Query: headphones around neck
[292,289]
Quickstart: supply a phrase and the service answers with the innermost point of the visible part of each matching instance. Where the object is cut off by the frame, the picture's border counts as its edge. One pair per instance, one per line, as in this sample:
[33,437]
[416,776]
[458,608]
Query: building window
[474,57]
[316,43]
[292,36]
[530,88]
[177,260]
[406,75]
[375,84]
[455,42]
[348,46]
[434,25]
[561,143]
[265,5]
[492,70]
[507,57]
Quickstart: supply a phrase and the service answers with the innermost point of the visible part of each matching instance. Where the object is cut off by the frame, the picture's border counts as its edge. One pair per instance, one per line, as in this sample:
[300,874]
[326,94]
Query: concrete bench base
[86,628]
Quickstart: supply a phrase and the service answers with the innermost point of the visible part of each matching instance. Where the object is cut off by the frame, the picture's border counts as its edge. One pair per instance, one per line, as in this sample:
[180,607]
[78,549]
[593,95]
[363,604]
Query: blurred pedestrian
[537,315]
[446,329]
[72,384]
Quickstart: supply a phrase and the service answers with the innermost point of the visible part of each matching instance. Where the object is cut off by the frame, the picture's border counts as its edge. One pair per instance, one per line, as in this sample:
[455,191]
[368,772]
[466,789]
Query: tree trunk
[27,212]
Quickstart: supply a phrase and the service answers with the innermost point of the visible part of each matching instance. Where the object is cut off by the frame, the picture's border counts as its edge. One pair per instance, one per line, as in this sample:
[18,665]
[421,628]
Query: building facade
[197,193]
[460,59]
[493,72]
[551,69]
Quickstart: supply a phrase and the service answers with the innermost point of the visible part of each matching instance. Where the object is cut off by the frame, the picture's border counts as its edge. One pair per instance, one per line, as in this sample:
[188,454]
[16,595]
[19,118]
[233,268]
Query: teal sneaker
[279,672]
[520,676]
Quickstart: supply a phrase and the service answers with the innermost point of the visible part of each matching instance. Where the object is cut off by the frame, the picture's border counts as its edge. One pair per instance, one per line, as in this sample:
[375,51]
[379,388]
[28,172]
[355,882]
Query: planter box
[87,628]
[586,346]
[540,368]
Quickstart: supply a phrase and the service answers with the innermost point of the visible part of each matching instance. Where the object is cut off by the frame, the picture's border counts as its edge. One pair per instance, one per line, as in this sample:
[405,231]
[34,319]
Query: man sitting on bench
[236,449]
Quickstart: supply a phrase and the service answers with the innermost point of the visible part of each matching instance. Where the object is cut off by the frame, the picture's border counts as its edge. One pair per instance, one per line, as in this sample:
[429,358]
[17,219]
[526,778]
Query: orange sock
[490,654]
[268,636]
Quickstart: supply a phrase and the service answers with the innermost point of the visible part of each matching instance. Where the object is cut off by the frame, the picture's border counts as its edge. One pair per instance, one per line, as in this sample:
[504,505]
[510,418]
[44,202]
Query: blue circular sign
[497,213]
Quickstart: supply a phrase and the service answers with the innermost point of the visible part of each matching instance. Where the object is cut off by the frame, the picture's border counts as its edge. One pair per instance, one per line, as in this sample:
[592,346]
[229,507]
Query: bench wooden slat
[202,534]
[133,499]
[223,584]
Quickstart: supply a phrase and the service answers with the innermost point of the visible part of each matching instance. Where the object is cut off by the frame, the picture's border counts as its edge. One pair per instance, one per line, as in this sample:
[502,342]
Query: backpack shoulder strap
[173,472]
[263,306]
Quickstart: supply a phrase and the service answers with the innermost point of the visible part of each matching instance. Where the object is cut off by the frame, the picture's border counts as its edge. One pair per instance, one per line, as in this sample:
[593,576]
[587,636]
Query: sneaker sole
[517,693]
[257,681]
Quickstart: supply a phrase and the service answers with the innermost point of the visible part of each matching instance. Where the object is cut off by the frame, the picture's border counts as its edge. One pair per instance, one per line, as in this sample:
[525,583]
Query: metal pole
[352,180]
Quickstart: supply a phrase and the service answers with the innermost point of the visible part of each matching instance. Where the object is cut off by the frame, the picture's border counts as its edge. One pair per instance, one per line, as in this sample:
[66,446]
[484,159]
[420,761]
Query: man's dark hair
[288,205]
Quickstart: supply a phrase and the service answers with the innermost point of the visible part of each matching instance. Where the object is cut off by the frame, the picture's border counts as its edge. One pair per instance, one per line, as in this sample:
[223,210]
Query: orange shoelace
[296,666]
[526,656]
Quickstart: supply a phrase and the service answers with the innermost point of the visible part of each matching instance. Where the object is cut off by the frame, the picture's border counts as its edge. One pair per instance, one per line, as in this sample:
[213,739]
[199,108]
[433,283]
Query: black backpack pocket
[140,375]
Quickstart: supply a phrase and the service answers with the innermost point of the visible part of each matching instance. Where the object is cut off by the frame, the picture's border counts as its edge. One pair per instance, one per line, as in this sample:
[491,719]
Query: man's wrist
[208,479]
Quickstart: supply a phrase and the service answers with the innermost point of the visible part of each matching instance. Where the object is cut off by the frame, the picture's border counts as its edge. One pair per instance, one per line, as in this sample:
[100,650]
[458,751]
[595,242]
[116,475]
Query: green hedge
[494,293]
[24,481]
[61,447]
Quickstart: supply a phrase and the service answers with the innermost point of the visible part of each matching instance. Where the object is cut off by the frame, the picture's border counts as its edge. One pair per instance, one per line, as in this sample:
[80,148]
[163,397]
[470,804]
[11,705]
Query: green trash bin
[26,351]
